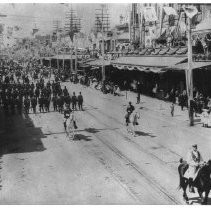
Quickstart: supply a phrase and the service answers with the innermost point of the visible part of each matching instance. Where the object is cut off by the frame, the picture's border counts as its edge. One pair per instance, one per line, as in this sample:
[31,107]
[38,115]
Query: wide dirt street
[104,165]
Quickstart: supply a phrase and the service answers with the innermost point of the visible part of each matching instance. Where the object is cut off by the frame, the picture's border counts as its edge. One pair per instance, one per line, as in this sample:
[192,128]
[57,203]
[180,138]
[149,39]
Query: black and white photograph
[105,103]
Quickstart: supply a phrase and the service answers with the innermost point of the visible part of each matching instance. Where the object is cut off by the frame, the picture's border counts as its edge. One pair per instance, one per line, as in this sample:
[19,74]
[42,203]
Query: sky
[27,15]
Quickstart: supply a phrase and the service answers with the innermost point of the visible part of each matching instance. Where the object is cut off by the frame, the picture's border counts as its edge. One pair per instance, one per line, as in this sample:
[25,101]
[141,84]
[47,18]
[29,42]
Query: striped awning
[99,62]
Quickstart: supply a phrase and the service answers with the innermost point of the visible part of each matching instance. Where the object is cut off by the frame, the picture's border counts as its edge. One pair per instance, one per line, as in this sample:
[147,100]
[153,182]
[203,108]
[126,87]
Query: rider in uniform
[130,107]
[67,112]
[194,160]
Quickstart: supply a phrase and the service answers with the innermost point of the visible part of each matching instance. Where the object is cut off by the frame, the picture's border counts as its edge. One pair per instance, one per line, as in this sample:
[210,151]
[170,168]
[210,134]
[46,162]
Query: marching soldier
[80,102]
[60,103]
[37,92]
[74,101]
[34,103]
[41,103]
[54,100]
[67,99]
[19,102]
[26,105]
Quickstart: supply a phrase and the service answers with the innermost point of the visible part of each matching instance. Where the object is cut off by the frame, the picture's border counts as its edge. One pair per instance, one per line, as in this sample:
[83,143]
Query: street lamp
[101,22]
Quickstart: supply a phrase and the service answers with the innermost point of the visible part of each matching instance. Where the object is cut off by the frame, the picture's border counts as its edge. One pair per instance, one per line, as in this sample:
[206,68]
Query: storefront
[150,72]
[201,75]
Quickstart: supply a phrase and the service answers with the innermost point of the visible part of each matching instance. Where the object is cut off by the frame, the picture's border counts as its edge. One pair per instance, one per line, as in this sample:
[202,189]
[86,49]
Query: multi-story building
[156,22]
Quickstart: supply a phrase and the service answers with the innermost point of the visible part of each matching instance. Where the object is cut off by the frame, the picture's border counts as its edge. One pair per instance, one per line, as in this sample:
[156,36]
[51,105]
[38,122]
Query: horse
[70,127]
[202,181]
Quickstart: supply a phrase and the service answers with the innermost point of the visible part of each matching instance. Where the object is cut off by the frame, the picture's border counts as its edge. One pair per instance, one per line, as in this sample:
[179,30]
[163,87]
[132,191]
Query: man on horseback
[67,112]
[194,160]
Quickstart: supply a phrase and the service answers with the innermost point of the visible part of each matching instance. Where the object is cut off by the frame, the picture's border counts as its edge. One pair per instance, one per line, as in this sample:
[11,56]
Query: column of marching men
[22,95]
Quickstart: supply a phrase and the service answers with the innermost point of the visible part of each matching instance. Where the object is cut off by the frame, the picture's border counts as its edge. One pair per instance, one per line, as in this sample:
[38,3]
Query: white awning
[149,61]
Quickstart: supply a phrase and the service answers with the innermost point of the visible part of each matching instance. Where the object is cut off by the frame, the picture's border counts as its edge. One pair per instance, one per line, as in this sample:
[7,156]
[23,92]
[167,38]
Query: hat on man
[194,145]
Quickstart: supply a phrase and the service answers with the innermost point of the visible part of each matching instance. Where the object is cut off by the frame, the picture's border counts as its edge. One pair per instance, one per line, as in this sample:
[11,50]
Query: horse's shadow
[197,200]
[79,137]
[96,130]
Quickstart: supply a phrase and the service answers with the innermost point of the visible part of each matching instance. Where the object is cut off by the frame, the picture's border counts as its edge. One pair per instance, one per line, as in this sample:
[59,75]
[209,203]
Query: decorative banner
[150,14]
[182,27]
[148,41]
[119,66]
[130,68]
[190,11]
[140,68]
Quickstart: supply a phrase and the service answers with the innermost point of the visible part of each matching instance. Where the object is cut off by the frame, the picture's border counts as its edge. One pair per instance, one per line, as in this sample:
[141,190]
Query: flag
[169,11]
[183,27]
[190,11]
[150,14]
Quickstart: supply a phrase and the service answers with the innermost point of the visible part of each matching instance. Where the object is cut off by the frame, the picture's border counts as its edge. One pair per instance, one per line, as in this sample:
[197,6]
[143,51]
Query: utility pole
[102,23]
[189,75]
[140,17]
[56,26]
[190,12]
[76,53]
[134,22]
[72,26]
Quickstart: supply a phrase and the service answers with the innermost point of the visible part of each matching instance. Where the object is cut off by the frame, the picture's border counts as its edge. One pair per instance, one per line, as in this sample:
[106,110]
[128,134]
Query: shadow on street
[19,135]
[140,133]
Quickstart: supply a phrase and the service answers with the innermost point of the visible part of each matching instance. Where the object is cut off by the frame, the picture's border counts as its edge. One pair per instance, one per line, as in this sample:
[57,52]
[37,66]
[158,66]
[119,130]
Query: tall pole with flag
[190,11]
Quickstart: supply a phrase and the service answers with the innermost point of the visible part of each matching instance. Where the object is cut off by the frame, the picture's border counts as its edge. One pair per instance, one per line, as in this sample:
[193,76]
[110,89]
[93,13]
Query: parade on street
[105,104]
